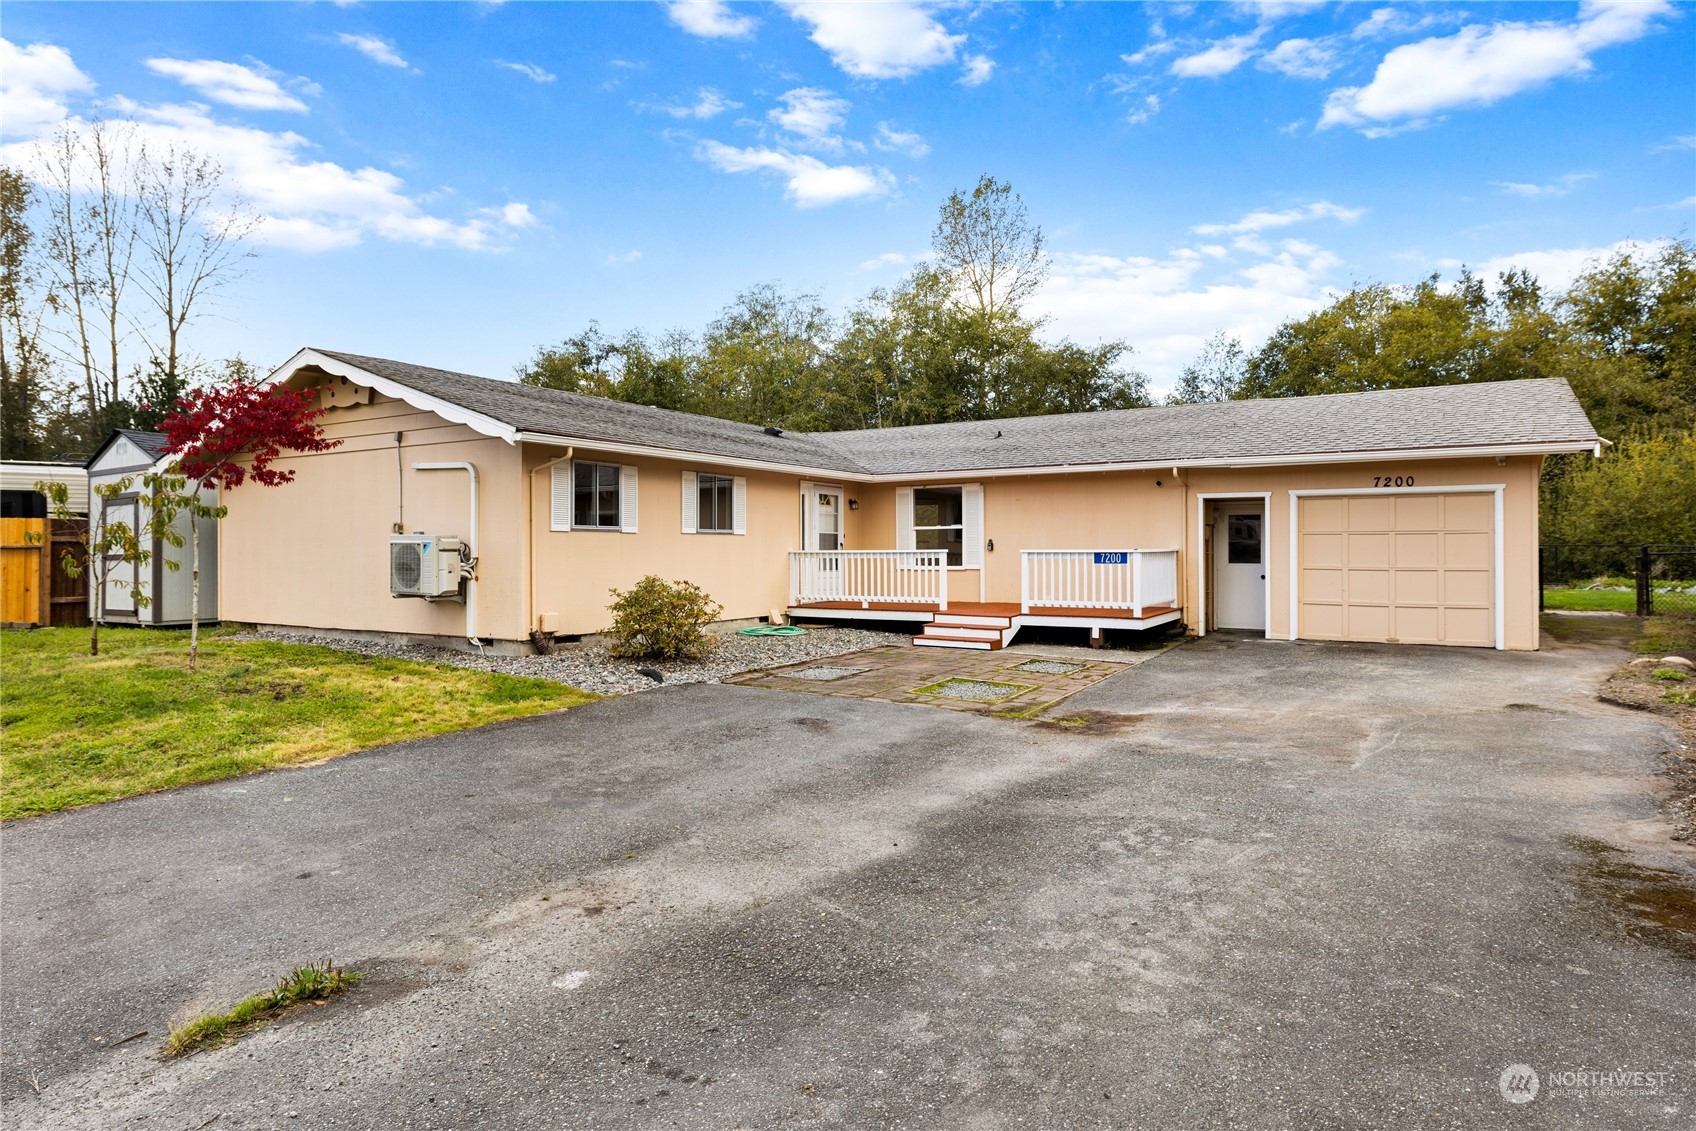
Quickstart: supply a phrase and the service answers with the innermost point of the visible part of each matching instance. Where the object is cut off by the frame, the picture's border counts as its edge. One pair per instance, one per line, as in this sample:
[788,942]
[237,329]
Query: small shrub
[1669,673]
[660,620]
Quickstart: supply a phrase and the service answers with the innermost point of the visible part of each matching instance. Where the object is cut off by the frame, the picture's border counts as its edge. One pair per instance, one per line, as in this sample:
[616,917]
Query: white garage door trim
[1202,498]
[1467,489]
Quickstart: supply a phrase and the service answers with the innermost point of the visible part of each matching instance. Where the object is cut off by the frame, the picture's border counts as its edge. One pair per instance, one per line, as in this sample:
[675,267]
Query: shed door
[1404,569]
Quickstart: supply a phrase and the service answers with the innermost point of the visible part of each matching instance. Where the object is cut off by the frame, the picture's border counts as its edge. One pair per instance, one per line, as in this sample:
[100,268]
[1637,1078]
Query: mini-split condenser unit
[426,565]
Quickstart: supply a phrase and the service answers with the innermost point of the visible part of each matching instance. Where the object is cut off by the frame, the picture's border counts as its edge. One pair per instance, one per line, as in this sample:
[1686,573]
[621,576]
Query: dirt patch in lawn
[1669,692]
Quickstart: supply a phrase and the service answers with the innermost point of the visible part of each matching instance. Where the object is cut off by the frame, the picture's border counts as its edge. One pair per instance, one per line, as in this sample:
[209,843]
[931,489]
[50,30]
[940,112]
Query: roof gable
[128,448]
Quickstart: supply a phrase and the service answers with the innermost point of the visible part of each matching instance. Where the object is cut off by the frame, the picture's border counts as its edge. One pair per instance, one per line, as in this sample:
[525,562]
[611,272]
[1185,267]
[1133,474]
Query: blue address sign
[1111,557]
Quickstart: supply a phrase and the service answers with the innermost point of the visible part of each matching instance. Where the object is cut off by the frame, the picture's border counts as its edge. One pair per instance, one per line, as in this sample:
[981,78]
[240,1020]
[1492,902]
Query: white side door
[1239,564]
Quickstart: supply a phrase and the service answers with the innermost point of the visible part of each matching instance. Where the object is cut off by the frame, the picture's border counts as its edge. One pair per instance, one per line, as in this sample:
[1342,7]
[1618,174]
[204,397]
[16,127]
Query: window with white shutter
[739,505]
[627,499]
[904,518]
[971,550]
[691,505]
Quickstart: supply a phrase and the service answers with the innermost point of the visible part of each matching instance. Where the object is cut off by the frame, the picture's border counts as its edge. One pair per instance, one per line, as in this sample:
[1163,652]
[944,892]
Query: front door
[1239,563]
[824,509]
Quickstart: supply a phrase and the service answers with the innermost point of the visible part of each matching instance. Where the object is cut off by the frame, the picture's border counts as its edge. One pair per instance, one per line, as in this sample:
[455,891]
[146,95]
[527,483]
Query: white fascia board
[614,447]
[447,410]
[1228,464]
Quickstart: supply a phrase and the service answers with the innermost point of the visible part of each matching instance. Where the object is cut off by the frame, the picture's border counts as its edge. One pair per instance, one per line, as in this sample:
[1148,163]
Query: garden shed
[165,594]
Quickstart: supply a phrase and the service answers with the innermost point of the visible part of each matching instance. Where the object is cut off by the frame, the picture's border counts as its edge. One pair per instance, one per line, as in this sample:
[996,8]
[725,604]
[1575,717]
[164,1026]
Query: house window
[939,521]
[595,496]
[716,507]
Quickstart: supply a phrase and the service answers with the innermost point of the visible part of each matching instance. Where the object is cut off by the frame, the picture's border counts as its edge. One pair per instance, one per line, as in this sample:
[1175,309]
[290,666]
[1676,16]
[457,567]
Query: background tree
[23,363]
[226,434]
[1215,375]
[193,238]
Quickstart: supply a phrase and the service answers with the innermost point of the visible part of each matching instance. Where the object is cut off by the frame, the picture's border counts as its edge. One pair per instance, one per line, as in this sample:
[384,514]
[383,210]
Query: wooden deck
[1003,609]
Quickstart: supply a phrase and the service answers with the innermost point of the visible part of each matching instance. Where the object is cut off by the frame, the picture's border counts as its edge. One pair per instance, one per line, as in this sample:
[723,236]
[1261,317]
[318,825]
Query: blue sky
[456,184]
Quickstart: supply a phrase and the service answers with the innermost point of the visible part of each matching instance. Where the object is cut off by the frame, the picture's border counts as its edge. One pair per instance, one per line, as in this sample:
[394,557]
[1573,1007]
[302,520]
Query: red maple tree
[230,432]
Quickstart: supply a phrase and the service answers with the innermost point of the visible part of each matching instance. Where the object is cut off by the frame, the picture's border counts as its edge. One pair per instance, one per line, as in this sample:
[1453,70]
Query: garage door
[1410,569]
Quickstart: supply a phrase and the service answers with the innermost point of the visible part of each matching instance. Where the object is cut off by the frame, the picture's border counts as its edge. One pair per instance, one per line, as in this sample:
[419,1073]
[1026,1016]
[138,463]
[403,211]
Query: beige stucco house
[1404,516]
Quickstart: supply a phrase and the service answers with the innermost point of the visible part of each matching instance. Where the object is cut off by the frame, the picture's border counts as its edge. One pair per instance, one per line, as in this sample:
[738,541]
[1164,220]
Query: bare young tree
[68,242]
[985,241]
[88,177]
[192,234]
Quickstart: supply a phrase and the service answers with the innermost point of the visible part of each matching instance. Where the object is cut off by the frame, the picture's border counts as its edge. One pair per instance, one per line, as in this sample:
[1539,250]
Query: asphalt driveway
[1266,885]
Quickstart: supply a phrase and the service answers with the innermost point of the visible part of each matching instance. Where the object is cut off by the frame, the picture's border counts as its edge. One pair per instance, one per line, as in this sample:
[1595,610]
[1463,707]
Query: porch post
[1136,584]
[942,582]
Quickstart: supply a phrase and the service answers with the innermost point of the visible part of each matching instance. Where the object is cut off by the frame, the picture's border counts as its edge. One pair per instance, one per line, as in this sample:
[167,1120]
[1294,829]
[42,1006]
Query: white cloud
[892,140]
[514,215]
[1556,268]
[887,259]
[710,19]
[35,82]
[1300,58]
[374,48]
[809,182]
[1479,65]
[890,40]
[1154,50]
[529,70]
[814,116]
[1683,141]
[1169,305]
[1149,107]
[1261,221]
[1220,58]
[622,258]
[229,83]
[1560,186]
[978,69]
[708,103]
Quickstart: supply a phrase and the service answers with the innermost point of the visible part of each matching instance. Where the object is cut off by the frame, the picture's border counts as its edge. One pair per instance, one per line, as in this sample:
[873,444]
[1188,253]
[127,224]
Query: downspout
[471,579]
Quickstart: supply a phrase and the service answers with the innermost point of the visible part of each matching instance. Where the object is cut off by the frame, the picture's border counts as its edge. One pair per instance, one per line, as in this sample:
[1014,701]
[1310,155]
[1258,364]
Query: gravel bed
[589,667]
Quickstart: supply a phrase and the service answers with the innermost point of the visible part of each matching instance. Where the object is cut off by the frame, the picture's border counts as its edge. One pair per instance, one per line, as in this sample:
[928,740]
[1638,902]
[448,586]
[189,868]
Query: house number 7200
[1392,481]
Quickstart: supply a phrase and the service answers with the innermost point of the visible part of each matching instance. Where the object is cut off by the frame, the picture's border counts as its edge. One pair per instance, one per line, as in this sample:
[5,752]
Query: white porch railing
[1098,579]
[916,577]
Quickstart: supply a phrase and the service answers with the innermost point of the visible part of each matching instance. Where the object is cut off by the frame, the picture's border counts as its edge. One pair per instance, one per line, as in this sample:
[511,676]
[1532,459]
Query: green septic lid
[771,630]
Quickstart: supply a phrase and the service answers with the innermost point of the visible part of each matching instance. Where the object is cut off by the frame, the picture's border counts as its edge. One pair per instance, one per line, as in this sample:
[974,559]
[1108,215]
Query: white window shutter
[903,518]
[559,515]
[739,505]
[691,503]
[627,498]
[971,507]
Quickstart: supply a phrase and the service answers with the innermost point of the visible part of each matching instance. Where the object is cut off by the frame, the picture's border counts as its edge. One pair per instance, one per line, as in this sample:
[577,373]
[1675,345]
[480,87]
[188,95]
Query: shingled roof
[1534,414]
[555,413]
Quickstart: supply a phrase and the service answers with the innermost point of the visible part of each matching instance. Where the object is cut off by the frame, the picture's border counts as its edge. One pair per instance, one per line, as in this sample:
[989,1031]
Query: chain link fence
[1624,577]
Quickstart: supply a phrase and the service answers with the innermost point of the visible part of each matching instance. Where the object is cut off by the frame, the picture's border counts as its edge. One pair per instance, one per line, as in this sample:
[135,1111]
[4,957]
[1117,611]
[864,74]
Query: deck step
[969,631]
[938,641]
[968,620]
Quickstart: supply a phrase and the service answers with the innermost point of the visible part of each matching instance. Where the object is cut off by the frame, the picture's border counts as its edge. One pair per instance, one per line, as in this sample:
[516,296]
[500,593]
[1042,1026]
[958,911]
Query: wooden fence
[34,587]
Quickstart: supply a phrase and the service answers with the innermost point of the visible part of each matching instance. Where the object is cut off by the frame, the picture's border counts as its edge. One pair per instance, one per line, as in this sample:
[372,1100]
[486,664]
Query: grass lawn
[76,729]
[1671,634]
[1615,600]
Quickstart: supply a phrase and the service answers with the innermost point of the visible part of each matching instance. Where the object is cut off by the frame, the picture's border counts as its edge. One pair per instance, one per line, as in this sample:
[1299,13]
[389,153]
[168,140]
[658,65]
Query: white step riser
[968,644]
[961,630]
[965,621]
